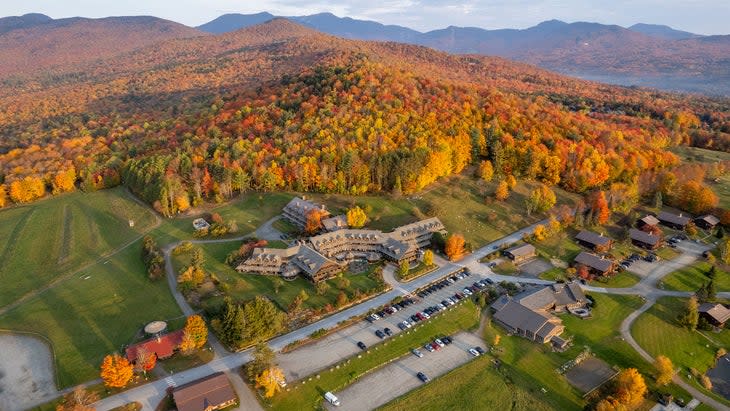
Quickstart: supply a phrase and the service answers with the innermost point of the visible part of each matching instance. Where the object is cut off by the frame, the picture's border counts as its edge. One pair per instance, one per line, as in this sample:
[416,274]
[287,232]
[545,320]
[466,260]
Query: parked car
[480,350]
[467,291]
[426,316]
[332,399]
[490,282]
[417,353]
[435,346]
[447,340]
[402,326]
[439,342]
[387,331]
[423,377]
[379,334]
[473,352]
[428,347]
[415,318]
[361,345]
[492,264]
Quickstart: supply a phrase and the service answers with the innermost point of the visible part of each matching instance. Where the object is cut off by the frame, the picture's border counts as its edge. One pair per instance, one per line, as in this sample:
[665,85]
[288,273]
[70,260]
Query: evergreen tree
[658,201]
[232,324]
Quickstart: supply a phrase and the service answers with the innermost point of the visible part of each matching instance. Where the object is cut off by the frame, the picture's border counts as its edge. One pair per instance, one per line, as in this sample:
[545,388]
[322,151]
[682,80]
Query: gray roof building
[206,394]
[595,262]
[644,237]
[649,220]
[521,252]
[594,239]
[673,220]
[718,313]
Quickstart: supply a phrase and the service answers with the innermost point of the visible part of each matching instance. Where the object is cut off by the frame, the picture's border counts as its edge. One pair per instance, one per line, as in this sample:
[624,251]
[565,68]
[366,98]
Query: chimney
[159,340]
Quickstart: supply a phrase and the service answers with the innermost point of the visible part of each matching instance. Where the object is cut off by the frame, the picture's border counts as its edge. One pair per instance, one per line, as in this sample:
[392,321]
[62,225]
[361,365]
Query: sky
[697,16]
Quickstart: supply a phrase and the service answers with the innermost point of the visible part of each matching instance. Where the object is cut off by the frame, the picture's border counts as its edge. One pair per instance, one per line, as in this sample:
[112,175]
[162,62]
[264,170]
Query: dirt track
[26,372]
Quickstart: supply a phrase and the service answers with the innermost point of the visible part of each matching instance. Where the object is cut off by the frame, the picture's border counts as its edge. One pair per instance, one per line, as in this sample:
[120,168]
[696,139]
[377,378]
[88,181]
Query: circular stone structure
[155,327]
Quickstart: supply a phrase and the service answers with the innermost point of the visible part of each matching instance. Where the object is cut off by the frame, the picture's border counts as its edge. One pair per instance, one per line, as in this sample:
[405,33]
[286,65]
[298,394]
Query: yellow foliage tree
[497,339]
[540,232]
[454,247]
[116,371]
[428,258]
[269,381]
[502,191]
[182,202]
[486,171]
[630,388]
[511,181]
[356,217]
[64,181]
[664,370]
[187,345]
[3,196]
[27,189]
[195,328]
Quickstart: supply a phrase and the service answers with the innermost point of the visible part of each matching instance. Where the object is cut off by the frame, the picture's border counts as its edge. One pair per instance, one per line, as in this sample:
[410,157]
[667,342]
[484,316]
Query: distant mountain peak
[662,31]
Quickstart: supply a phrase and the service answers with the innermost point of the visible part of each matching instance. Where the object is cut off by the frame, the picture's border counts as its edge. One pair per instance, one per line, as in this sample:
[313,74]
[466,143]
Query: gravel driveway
[395,379]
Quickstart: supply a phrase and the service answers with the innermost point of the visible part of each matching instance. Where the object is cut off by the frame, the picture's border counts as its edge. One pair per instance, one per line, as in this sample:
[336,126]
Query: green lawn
[49,238]
[658,333]
[693,277]
[247,286]
[621,280]
[477,385]
[560,246]
[466,205]
[86,319]
[307,394]
[417,271]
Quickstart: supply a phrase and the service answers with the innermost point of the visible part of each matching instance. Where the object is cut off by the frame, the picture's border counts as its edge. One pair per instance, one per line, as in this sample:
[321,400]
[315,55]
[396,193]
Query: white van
[331,399]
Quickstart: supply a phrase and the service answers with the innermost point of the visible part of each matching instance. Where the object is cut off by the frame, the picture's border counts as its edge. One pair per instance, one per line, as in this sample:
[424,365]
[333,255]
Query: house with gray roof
[520,253]
[648,222]
[534,325]
[594,241]
[676,221]
[645,240]
[529,314]
[715,313]
[597,265]
[707,222]
[335,223]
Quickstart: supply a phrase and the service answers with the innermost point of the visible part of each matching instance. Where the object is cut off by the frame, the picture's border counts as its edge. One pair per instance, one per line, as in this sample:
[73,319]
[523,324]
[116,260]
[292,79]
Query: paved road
[395,379]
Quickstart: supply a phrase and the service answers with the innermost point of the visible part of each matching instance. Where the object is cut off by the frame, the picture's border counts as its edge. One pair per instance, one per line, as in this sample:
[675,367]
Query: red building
[162,346]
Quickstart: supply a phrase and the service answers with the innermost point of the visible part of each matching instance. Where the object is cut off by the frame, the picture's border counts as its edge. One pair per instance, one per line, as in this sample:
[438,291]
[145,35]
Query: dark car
[382,313]
[361,345]
[489,281]
[447,340]
[387,332]
[380,334]
[402,326]
[423,377]
[480,350]
[415,318]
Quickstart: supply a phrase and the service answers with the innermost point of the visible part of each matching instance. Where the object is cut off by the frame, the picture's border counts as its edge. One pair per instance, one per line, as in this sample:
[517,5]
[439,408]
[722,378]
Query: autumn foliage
[196,331]
[356,217]
[269,379]
[626,392]
[664,370]
[454,247]
[116,371]
[599,207]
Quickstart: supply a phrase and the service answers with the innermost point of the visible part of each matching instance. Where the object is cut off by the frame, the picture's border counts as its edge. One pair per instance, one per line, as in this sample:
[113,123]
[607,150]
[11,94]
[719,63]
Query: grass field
[466,205]
[247,286]
[86,319]
[693,277]
[308,394]
[477,385]
[56,236]
[658,333]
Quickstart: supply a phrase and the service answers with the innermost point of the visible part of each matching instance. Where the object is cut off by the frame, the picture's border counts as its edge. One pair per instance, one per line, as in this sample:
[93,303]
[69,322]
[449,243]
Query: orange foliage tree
[454,247]
[600,209]
[627,392]
[116,371]
[26,190]
[695,197]
[314,222]
[3,196]
[502,191]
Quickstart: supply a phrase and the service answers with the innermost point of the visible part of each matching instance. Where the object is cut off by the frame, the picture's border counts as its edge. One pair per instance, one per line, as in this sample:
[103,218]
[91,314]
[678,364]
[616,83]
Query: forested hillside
[278,106]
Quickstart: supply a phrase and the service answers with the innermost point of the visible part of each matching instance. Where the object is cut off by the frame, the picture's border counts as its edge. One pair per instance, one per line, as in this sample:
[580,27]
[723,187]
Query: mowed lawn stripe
[86,319]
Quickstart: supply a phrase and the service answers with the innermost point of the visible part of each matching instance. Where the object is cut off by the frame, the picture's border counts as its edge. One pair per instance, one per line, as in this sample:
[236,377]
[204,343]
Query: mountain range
[643,54]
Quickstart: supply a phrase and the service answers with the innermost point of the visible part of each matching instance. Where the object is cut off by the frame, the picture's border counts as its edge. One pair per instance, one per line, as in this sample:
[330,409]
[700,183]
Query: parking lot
[399,377]
[342,344]
[689,248]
